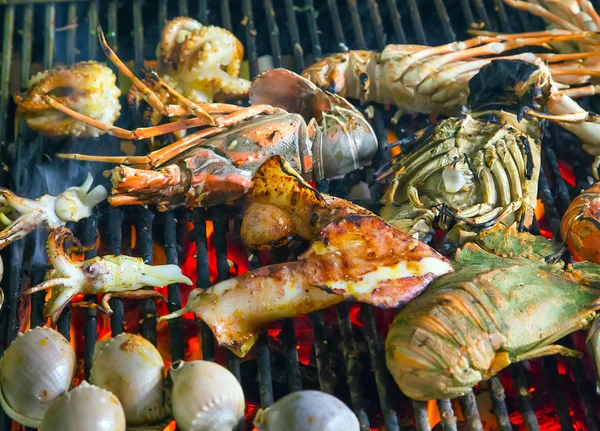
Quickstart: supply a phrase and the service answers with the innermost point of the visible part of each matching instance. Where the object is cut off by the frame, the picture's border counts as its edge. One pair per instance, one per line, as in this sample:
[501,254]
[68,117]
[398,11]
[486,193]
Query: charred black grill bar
[343,25]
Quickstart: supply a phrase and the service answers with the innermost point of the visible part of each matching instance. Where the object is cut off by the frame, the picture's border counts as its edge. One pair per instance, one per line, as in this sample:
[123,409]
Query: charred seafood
[87,87]
[579,225]
[491,312]
[113,276]
[479,169]
[327,137]
[201,62]
[354,254]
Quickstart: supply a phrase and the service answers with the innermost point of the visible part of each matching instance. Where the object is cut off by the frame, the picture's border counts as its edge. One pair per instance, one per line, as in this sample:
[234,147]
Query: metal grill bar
[114,231]
[445,19]
[89,237]
[361,43]
[174,301]
[416,21]
[295,35]
[396,21]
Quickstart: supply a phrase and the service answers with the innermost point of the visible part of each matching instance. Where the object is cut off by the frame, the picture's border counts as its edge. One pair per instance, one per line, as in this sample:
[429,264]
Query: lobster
[478,169]
[353,254]
[491,312]
[323,136]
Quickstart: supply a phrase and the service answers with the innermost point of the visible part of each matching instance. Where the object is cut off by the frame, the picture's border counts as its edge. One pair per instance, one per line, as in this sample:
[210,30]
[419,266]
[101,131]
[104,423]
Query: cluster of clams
[126,391]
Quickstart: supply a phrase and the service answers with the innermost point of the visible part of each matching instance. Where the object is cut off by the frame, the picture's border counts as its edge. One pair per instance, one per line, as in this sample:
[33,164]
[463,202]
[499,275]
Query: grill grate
[268,28]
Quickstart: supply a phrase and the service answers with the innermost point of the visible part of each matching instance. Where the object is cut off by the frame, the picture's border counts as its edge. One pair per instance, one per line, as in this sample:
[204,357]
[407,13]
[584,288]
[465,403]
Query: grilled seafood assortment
[491,312]
[353,254]
[324,137]
[479,169]
[113,276]
[579,225]
[87,87]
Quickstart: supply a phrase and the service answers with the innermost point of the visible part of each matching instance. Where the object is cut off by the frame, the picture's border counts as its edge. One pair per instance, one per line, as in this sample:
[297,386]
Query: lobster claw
[342,139]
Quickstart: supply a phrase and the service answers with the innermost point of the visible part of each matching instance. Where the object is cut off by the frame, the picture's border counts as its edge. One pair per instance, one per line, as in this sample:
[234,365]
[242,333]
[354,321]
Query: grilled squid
[88,88]
[20,216]
[201,61]
[113,276]
[354,254]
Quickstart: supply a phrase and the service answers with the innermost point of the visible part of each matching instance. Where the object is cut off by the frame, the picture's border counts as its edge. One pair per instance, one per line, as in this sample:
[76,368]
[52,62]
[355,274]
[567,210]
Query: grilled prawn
[354,254]
[491,312]
[481,168]
[324,137]
[113,276]
[87,87]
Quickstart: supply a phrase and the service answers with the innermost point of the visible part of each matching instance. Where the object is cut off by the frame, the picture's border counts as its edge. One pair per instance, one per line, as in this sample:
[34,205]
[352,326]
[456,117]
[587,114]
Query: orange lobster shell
[580,226]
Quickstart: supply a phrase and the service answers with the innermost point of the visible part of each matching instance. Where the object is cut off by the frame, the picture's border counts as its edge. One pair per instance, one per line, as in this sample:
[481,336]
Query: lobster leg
[136,134]
[575,93]
[542,12]
[552,349]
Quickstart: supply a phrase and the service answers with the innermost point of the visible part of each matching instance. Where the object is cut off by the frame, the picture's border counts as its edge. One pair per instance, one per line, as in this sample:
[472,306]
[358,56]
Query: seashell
[35,369]
[307,411]
[130,367]
[205,396]
[86,407]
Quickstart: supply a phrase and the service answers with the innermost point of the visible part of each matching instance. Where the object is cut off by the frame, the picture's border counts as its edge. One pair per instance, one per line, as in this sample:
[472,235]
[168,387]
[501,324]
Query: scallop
[36,368]
[130,367]
[307,411]
[205,397]
[86,407]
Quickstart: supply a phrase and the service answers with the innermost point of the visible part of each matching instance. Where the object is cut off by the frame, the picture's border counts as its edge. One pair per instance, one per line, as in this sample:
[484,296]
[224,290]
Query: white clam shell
[35,369]
[307,411]
[205,397]
[86,407]
[131,367]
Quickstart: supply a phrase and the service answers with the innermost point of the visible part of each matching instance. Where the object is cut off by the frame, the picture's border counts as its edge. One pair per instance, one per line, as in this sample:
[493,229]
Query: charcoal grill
[294,33]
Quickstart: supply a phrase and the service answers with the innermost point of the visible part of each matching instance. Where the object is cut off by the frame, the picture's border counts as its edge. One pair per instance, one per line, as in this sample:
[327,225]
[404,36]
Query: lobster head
[342,139]
[510,85]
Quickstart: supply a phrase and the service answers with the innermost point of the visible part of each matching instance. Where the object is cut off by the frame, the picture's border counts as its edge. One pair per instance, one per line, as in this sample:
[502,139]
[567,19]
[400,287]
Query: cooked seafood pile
[504,296]
[353,254]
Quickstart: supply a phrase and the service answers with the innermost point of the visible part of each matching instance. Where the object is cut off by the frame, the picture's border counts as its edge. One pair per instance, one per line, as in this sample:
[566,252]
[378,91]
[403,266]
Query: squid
[353,255]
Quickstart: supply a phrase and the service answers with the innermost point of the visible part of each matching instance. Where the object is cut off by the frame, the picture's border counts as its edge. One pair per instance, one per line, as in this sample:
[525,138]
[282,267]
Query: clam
[205,396]
[35,369]
[86,407]
[307,411]
[130,367]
